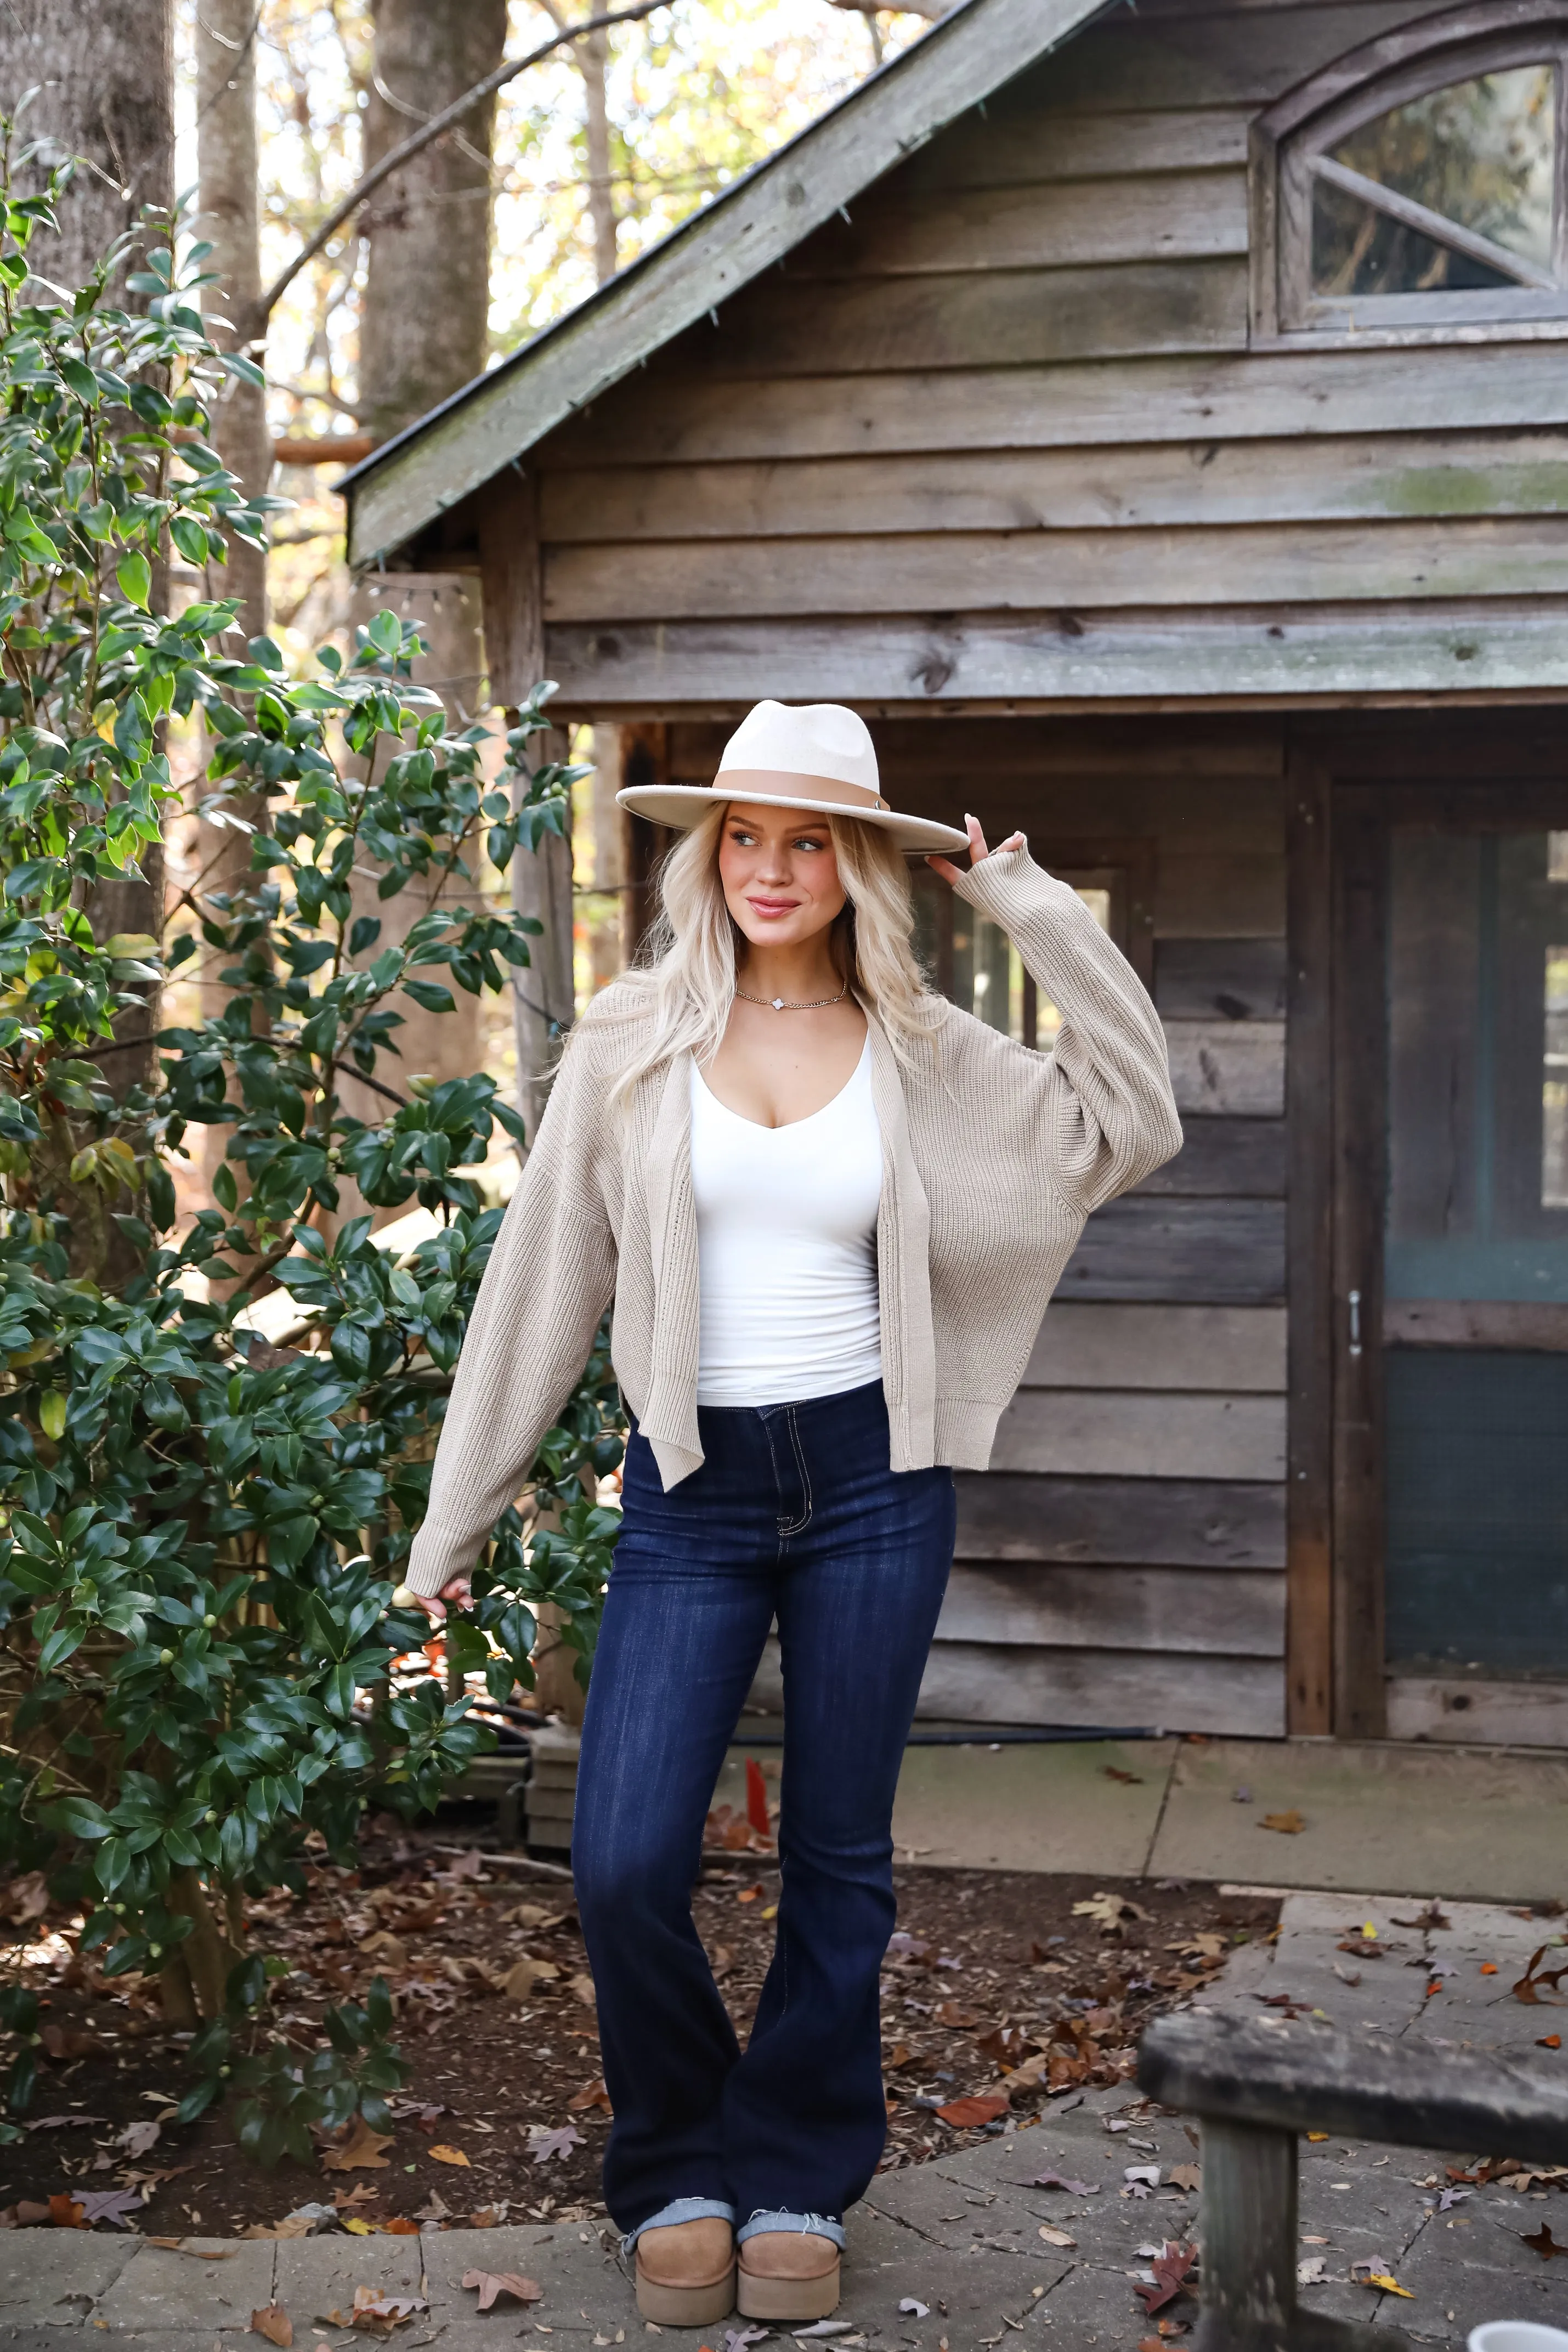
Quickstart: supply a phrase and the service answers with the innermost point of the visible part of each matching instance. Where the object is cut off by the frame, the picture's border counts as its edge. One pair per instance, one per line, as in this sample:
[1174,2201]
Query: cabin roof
[411,480]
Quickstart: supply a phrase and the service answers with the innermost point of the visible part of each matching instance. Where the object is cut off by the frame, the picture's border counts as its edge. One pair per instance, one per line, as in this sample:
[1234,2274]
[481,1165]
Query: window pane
[1358,250]
[987,972]
[1555,1081]
[1047,1018]
[1480,152]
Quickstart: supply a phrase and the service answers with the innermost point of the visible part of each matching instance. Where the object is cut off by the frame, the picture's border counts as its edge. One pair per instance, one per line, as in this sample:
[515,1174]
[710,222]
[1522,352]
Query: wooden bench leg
[1251,2250]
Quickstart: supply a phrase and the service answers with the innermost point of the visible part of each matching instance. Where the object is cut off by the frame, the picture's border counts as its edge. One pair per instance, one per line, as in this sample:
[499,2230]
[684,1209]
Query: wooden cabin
[1152,418]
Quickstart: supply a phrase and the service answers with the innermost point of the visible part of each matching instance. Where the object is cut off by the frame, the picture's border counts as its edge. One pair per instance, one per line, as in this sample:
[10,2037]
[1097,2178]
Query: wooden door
[1449,1319]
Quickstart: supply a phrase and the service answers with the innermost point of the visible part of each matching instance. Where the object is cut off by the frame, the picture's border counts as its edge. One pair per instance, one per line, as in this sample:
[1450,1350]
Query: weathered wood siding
[1000,434]
[1123,1561]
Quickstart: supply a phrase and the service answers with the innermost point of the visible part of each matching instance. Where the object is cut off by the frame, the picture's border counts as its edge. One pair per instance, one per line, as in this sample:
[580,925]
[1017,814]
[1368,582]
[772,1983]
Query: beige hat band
[776,783]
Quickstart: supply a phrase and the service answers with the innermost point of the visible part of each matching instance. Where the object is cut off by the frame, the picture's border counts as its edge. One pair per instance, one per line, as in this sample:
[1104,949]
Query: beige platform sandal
[787,2275]
[687,2277]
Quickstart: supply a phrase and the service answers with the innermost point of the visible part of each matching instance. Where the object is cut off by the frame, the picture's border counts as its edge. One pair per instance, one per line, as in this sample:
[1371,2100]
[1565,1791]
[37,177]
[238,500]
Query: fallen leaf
[399,2226]
[1317,2135]
[359,2149]
[66,2213]
[272,2323]
[1310,2273]
[492,2284]
[901,2054]
[64,2041]
[953,2014]
[110,2205]
[1113,1773]
[1289,1824]
[1529,1986]
[1108,1911]
[582,1986]
[1171,2266]
[60,2123]
[362,2193]
[592,2095]
[24,1898]
[443,2154]
[1148,2173]
[524,1974]
[434,2208]
[543,2144]
[1186,2176]
[913,2310]
[1056,2180]
[737,2339]
[965,2114]
[178,2246]
[139,2137]
[1488,1969]
[905,1947]
[358,2226]
[1543,2243]
[1054,2237]
[752,1894]
[389,1950]
[1380,2280]
[374,2313]
[1549,2042]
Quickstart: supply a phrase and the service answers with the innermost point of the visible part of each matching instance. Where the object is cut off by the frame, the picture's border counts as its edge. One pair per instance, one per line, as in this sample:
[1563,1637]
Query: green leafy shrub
[201,1535]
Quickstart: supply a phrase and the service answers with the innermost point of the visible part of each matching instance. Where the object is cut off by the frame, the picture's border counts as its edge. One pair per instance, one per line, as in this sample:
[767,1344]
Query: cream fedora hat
[816,756]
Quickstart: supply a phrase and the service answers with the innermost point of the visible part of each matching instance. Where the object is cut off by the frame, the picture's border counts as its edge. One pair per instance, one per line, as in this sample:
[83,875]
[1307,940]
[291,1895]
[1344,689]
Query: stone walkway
[963,2238]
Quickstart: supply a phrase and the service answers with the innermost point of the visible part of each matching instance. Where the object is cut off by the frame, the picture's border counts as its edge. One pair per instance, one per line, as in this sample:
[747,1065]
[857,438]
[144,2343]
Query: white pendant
[778,1005]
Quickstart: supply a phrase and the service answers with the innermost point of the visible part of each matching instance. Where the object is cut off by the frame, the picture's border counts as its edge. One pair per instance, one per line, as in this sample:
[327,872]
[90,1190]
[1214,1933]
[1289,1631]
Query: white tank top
[787,1242]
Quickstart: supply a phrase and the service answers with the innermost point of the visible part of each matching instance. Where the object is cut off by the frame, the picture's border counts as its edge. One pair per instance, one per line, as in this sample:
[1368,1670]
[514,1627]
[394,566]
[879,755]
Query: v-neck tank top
[787,1247]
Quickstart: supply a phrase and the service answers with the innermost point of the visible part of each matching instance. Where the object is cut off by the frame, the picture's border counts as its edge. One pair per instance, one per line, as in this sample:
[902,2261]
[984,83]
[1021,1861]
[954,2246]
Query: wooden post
[544,995]
[1249,2233]
[1360,1110]
[1309,1224]
[644,760]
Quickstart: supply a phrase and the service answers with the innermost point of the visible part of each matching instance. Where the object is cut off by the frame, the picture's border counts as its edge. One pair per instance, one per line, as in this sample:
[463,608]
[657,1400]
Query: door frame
[1347,783]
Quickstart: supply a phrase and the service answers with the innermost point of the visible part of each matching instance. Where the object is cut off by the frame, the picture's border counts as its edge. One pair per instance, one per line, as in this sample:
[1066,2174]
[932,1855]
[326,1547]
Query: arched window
[1417,183]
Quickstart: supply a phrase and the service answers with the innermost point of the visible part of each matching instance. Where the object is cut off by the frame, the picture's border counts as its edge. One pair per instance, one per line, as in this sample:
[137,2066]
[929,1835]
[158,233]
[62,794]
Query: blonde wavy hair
[685,977]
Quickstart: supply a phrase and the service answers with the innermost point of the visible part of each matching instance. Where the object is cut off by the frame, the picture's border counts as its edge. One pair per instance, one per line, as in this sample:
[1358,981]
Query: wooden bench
[1254,2084]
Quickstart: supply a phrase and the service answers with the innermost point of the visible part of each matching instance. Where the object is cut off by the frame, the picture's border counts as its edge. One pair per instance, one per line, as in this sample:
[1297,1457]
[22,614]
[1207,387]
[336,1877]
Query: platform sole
[757,2296]
[686,2306]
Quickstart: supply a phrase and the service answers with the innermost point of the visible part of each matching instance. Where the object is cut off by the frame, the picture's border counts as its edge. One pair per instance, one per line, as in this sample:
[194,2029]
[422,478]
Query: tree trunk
[426,333]
[104,70]
[225,32]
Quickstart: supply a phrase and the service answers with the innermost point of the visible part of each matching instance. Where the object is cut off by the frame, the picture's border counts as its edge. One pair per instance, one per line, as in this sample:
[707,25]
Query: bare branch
[433,129]
[930,10]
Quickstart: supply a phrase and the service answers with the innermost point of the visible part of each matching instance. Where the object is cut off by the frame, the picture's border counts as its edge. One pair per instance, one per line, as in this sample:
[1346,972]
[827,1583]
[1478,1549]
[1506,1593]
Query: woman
[830,1208]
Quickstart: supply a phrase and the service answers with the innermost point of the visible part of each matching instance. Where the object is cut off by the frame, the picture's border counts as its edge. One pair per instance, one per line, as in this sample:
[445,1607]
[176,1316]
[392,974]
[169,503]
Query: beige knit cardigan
[993,1156]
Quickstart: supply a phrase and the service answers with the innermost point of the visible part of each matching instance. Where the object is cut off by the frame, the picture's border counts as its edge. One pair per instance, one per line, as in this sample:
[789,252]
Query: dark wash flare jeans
[794,1514]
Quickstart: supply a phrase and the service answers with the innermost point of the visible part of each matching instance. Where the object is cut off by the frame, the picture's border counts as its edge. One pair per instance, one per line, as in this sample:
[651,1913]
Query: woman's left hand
[977,850]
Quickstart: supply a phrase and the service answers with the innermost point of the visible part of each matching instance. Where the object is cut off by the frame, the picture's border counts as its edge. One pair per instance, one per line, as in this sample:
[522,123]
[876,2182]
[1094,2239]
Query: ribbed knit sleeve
[551,1276]
[1110,1115]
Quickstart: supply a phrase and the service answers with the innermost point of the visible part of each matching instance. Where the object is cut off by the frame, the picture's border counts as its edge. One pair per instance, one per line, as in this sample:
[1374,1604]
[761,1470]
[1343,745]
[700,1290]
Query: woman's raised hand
[977,850]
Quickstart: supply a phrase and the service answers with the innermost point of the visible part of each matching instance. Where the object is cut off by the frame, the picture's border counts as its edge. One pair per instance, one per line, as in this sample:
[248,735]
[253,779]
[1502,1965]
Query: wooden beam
[1308,1263]
[1115,1345]
[682,416]
[1201,1253]
[1172,1522]
[1153,484]
[1359,1115]
[510,578]
[895,663]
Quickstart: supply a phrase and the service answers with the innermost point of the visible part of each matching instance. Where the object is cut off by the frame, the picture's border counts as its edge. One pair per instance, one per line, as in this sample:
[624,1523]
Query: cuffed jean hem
[806,2225]
[682,2209]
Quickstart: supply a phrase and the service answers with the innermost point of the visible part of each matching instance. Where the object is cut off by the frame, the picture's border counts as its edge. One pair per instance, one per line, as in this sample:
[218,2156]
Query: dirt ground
[1000,1991]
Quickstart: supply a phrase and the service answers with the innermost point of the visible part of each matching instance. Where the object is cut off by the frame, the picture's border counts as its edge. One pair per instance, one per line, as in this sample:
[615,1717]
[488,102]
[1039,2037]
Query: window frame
[1369,81]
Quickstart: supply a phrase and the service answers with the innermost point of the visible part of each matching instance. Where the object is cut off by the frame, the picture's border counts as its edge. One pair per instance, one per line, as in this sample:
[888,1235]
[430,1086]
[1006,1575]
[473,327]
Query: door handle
[1354,1304]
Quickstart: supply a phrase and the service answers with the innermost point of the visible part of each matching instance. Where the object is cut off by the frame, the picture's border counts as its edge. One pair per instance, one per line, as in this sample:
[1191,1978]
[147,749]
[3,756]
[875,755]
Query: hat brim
[685,805]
